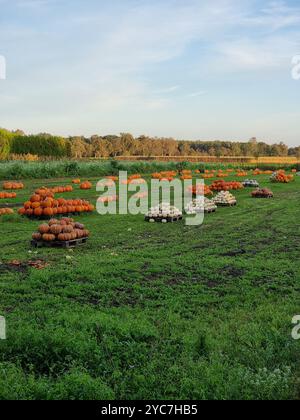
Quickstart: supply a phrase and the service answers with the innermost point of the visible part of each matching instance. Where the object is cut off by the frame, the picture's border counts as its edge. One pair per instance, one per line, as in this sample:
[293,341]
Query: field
[152,311]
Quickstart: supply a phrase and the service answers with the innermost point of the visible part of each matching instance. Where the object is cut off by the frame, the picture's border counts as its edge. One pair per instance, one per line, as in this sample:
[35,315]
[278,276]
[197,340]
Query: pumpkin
[48,211]
[79,226]
[35,198]
[53,222]
[47,203]
[48,237]
[86,186]
[67,229]
[36,236]
[78,233]
[56,229]
[27,205]
[44,228]
[64,237]
[38,212]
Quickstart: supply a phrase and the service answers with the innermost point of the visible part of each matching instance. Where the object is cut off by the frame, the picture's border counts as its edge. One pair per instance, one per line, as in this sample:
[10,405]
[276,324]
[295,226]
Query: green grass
[150,311]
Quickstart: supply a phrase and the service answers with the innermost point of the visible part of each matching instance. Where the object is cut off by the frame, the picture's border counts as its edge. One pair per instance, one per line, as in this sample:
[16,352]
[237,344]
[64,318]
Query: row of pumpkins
[6,211]
[13,185]
[62,230]
[4,194]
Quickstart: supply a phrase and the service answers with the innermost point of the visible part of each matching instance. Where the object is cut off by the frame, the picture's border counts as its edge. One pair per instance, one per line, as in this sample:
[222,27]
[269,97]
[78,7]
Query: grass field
[151,311]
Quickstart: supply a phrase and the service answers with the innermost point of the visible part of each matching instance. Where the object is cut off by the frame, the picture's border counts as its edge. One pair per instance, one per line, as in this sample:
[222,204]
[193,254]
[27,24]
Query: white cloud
[271,53]
[195,94]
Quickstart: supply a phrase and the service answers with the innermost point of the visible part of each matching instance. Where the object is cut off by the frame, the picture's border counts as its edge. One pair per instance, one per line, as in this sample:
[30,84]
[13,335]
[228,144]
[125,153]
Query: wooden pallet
[226,205]
[59,244]
[263,196]
[161,219]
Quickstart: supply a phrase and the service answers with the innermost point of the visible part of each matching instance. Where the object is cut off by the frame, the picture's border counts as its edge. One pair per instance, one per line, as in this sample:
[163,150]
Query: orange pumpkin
[44,228]
[48,211]
[48,237]
[36,236]
[56,229]
[38,211]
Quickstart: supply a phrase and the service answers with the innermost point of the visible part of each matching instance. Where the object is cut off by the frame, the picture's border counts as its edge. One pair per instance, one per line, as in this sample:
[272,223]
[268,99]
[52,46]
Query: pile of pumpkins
[63,230]
[200,190]
[200,206]
[7,195]
[13,185]
[281,177]
[226,186]
[163,212]
[6,211]
[262,193]
[225,198]
[43,203]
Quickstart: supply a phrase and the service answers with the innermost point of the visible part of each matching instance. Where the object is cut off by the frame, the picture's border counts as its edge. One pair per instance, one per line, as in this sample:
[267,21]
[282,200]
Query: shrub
[40,145]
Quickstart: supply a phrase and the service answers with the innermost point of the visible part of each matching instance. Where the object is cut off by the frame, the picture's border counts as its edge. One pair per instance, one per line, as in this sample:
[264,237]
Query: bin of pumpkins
[43,205]
[62,233]
[251,183]
[262,193]
[225,199]
[201,205]
[163,213]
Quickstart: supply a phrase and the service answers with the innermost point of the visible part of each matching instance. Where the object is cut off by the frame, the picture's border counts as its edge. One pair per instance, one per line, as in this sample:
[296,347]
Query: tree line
[112,146]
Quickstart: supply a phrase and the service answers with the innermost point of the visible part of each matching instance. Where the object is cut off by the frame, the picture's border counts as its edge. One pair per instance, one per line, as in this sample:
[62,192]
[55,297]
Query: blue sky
[191,69]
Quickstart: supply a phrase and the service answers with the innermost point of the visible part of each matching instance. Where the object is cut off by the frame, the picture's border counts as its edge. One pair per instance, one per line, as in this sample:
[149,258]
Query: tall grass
[56,169]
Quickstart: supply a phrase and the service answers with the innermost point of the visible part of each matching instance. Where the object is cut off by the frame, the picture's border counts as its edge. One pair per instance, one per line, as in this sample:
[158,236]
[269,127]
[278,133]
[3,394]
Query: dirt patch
[231,271]
[22,266]
[234,253]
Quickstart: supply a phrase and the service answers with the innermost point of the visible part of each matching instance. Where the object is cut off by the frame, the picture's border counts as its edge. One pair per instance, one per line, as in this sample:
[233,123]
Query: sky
[188,69]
